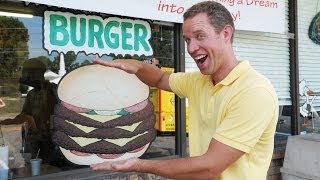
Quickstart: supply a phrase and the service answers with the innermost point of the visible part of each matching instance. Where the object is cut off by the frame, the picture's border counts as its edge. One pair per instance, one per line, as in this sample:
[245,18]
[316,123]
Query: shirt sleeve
[247,118]
[180,83]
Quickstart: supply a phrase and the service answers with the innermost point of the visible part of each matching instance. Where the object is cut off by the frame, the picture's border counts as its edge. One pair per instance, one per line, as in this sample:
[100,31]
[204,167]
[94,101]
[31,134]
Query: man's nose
[192,47]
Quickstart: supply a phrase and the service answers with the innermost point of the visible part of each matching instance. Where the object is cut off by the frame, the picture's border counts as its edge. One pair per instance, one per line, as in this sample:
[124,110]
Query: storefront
[308,47]
[68,34]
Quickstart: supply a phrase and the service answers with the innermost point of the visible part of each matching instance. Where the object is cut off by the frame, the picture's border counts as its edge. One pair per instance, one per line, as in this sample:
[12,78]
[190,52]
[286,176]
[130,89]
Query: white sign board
[251,15]
[65,32]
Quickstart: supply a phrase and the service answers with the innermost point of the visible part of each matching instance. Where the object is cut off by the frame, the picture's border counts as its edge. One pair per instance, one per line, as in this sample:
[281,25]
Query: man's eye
[200,37]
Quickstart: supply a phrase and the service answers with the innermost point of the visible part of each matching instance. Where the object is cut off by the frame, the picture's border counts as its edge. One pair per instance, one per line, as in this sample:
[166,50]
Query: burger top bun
[101,88]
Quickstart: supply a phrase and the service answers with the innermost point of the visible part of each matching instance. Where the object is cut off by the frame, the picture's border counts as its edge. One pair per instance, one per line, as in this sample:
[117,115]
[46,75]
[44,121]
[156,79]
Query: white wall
[309,52]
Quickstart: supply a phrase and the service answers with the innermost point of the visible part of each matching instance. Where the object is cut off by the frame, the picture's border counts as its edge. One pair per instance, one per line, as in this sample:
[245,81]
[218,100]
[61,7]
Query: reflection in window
[29,75]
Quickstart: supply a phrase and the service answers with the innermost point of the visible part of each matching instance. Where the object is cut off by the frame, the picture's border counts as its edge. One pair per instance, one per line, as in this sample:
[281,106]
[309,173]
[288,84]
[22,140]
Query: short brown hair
[217,14]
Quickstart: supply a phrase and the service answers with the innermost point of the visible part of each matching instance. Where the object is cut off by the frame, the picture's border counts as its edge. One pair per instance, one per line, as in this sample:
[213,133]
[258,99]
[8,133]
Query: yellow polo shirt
[241,111]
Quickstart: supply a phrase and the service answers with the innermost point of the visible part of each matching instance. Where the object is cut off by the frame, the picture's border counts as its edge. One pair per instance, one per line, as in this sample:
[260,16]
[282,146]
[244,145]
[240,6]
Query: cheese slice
[84,141]
[130,128]
[120,142]
[124,141]
[86,129]
[100,118]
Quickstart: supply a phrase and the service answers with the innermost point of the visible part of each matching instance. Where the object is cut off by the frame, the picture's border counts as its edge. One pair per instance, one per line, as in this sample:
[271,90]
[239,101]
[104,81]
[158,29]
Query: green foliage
[13,46]
[9,87]
[314,29]
[44,59]
[69,59]
[23,88]
[162,44]
[13,105]
[86,62]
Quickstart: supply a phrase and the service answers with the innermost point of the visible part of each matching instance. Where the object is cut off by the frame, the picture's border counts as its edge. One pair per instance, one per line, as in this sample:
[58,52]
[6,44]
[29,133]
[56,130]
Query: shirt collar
[241,68]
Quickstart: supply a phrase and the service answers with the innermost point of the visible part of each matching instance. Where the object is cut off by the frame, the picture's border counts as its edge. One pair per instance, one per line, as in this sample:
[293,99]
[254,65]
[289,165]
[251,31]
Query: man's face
[204,45]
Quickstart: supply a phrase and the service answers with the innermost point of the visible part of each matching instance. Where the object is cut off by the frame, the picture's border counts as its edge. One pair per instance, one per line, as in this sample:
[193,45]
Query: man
[37,109]
[233,110]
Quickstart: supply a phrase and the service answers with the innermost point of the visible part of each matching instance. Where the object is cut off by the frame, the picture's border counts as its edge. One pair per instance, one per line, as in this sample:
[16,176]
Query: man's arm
[147,73]
[208,166]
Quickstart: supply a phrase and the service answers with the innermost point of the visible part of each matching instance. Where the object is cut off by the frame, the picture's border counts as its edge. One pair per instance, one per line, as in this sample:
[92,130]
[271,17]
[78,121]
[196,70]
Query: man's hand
[147,73]
[131,66]
[119,166]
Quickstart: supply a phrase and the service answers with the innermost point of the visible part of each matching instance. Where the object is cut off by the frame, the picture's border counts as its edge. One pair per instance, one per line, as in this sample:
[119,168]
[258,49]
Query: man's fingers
[102,166]
[102,62]
[115,64]
[119,63]
[108,166]
[120,166]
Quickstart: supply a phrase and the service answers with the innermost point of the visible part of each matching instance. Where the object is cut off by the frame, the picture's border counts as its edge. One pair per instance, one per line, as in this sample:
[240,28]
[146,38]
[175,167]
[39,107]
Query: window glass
[29,75]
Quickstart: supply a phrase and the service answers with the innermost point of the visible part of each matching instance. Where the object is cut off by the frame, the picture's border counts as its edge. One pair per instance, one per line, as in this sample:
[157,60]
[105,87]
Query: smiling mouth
[201,59]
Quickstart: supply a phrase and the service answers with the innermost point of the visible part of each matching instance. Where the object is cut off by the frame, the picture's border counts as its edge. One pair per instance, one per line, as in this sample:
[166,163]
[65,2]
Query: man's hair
[34,63]
[217,14]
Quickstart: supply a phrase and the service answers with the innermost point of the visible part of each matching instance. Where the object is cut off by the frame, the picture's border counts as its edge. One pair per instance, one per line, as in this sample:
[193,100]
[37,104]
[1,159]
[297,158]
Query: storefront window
[29,75]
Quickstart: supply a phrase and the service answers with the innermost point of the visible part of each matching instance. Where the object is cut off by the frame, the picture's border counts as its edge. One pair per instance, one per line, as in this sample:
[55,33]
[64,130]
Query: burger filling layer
[119,142]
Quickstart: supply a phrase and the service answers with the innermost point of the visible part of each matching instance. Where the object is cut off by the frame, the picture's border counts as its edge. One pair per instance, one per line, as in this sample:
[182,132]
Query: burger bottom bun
[94,159]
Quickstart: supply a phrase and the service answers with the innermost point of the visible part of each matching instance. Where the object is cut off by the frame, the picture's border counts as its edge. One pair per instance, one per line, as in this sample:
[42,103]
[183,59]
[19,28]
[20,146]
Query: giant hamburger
[104,115]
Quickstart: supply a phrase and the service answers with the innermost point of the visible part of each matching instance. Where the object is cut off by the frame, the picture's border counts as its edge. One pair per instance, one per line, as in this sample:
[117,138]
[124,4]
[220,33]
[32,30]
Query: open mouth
[201,59]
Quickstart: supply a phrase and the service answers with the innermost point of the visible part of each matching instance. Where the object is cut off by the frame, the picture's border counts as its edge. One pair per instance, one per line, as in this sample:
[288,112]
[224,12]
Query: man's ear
[227,33]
